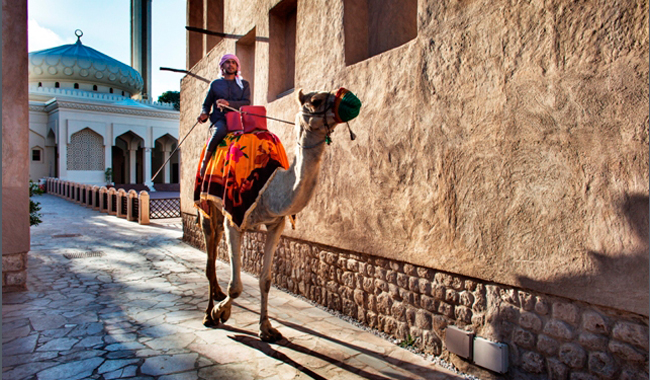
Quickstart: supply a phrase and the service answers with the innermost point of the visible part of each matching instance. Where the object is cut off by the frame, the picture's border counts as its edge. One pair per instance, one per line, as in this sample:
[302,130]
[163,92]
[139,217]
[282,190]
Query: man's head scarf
[238,75]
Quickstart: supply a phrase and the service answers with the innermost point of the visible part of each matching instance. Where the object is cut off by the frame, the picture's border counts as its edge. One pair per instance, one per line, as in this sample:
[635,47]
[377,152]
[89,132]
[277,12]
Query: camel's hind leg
[274,231]
[212,233]
[235,287]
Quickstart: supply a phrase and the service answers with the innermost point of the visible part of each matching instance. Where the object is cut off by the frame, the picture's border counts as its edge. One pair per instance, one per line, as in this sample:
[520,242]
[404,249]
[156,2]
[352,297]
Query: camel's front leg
[233,241]
[212,232]
[268,333]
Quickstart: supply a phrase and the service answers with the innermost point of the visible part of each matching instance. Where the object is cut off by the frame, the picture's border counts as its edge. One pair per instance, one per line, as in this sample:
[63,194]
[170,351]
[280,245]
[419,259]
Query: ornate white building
[83,121]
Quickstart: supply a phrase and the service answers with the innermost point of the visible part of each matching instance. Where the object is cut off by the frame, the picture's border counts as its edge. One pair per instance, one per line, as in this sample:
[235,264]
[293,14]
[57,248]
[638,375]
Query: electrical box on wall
[490,355]
[459,342]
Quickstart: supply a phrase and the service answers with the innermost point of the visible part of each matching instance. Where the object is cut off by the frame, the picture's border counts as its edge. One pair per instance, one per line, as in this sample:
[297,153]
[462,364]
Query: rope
[254,114]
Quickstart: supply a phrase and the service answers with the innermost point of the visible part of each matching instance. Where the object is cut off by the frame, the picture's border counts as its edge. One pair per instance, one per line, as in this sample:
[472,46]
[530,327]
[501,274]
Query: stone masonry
[14,271]
[548,337]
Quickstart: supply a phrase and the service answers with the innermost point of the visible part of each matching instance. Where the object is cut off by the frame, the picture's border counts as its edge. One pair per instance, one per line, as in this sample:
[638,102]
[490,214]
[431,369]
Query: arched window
[40,84]
[110,90]
[76,85]
[122,93]
[56,85]
[95,87]
[86,151]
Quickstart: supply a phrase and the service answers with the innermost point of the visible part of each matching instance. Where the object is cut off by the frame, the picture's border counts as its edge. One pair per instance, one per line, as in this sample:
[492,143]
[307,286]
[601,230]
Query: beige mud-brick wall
[15,146]
[507,141]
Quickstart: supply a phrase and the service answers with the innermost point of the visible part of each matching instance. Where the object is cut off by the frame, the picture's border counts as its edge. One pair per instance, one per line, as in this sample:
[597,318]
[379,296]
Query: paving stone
[20,345]
[112,365]
[124,346]
[181,376]
[11,361]
[26,371]
[164,365]
[47,322]
[126,372]
[172,341]
[61,344]
[91,341]
[87,329]
[71,371]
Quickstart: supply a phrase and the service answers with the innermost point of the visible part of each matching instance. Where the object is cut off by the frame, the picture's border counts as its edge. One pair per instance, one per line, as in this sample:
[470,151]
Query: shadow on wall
[635,208]
[554,337]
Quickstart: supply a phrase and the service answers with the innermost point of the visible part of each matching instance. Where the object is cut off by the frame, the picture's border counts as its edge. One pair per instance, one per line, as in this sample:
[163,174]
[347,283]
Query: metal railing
[165,208]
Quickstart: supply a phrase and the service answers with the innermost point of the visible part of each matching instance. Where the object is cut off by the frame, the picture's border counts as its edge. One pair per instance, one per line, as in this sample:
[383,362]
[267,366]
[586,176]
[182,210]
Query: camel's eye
[317,102]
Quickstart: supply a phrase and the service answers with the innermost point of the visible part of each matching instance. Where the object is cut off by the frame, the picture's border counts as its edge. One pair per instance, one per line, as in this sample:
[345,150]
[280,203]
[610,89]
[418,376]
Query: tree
[173,97]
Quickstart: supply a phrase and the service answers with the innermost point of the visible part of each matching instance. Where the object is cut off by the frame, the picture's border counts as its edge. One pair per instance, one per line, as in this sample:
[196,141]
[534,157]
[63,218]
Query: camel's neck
[299,182]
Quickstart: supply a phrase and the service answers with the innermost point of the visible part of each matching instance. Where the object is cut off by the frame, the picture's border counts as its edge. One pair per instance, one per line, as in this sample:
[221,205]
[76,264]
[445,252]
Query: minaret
[141,43]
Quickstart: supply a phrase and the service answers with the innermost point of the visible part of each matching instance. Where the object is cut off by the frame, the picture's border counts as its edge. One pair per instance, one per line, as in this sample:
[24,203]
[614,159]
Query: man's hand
[221,103]
[202,117]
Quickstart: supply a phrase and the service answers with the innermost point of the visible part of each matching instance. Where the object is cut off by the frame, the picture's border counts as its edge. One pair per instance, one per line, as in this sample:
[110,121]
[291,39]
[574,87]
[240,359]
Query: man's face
[230,67]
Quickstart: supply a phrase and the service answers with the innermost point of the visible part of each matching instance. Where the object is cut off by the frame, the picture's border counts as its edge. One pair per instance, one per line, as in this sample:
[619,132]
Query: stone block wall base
[547,336]
[14,272]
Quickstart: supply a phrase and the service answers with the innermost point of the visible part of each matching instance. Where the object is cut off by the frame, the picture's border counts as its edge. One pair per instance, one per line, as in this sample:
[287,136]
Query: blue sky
[107,28]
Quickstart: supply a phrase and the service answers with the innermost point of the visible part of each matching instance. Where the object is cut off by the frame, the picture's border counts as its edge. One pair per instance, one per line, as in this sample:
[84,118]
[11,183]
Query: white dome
[81,64]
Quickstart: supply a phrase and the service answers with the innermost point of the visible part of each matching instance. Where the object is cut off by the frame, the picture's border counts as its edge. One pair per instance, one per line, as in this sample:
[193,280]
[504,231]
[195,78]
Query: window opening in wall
[213,21]
[40,84]
[110,90]
[122,93]
[37,155]
[282,49]
[56,85]
[95,87]
[76,85]
[372,27]
[245,51]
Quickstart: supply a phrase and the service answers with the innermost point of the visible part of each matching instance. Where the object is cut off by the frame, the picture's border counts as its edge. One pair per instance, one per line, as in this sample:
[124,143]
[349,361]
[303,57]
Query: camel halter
[328,138]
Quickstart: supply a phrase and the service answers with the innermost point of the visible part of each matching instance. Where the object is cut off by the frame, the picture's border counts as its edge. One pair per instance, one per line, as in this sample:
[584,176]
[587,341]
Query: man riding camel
[229,90]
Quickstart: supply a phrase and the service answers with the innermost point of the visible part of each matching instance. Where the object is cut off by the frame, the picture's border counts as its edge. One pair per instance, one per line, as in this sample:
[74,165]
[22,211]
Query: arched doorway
[128,159]
[163,148]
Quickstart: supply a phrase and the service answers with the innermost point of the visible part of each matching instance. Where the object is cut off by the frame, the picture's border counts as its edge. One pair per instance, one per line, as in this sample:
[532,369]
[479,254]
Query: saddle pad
[233,121]
[238,173]
[254,118]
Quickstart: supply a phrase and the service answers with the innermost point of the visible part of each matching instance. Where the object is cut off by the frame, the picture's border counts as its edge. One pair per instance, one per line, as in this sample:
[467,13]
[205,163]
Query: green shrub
[34,207]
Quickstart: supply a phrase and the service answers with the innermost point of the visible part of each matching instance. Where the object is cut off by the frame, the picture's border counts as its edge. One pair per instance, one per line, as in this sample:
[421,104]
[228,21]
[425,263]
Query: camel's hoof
[209,322]
[270,336]
[221,312]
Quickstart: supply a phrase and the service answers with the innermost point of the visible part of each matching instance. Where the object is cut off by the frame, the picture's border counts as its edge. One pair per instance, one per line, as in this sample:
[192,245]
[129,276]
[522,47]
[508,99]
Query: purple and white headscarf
[238,75]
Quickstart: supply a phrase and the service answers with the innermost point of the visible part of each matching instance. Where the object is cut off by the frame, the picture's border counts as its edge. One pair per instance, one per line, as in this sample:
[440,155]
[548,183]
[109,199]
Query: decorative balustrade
[131,205]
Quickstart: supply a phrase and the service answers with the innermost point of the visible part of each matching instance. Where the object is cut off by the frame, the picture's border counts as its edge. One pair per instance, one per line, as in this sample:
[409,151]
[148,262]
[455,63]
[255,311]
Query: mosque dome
[77,63]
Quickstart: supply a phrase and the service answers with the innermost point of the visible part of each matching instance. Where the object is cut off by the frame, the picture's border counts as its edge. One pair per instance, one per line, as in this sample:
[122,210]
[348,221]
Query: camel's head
[317,111]
[321,111]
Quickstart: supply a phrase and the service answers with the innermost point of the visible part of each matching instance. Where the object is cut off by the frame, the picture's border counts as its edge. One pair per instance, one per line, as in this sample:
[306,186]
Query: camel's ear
[300,97]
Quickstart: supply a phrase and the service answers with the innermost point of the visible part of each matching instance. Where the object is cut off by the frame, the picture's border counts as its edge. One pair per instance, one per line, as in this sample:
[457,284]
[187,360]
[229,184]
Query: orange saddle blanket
[238,173]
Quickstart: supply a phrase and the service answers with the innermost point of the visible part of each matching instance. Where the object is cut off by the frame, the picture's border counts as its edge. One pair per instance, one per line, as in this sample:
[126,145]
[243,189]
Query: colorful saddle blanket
[238,173]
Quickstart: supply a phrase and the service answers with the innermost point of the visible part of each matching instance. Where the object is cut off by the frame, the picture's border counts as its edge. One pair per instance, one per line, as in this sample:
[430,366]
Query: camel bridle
[328,106]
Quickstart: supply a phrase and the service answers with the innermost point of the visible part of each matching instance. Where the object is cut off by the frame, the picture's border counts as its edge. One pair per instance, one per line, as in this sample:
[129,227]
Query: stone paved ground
[110,299]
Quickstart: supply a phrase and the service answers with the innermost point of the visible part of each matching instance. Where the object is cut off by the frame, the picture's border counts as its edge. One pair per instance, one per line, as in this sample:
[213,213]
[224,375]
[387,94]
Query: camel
[288,192]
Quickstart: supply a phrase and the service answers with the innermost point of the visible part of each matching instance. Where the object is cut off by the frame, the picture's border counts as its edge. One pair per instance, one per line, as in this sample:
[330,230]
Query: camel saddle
[238,173]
